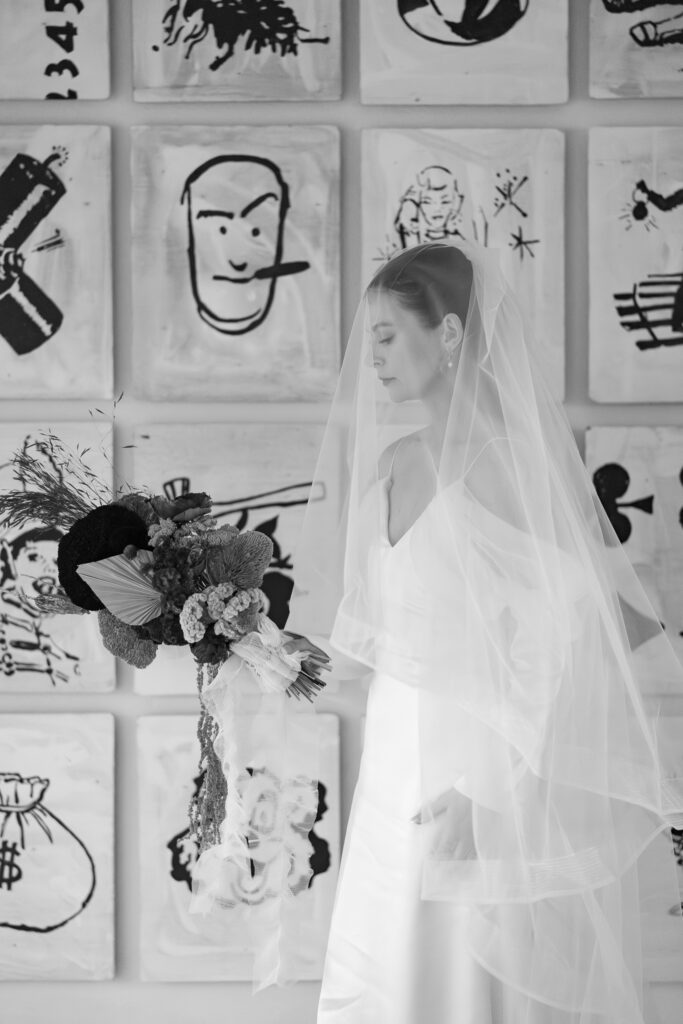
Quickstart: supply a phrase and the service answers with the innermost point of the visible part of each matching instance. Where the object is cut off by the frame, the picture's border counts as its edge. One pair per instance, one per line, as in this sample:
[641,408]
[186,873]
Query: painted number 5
[58,6]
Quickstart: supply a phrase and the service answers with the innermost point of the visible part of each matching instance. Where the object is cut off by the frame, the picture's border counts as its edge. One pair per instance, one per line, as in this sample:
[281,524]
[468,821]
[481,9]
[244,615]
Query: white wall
[126,998]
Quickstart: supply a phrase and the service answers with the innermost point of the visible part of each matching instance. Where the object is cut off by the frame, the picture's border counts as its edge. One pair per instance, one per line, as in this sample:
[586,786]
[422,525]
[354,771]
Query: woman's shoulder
[387,456]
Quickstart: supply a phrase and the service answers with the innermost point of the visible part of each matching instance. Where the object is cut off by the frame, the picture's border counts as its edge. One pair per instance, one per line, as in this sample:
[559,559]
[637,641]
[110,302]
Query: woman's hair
[430,280]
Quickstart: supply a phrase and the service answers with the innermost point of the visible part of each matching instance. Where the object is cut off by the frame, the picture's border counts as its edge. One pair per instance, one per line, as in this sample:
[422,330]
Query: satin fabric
[392,957]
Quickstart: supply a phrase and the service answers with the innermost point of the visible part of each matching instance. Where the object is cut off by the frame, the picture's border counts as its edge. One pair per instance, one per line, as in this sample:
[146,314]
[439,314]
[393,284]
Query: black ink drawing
[461,22]
[653,309]
[660,32]
[611,482]
[307,851]
[36,849]
[278,581]
[260,24]
[236,211]
[29,190]
[28,570]
[431,209]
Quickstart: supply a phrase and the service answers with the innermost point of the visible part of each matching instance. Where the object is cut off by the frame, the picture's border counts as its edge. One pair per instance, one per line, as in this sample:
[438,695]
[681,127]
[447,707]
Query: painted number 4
[63,36]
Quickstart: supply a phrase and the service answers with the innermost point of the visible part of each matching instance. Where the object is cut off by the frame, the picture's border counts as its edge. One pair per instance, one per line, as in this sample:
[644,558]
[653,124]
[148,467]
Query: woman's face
[407,356]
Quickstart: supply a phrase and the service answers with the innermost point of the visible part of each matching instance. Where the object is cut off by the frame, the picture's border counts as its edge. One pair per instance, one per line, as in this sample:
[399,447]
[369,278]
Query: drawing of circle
[461,22]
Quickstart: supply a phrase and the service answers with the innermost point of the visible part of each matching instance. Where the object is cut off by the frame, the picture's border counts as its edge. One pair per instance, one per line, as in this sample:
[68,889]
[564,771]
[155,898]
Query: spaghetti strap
[391,464]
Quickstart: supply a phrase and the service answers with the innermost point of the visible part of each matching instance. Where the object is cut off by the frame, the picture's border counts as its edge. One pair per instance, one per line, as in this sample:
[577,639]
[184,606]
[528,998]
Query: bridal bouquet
[161,571]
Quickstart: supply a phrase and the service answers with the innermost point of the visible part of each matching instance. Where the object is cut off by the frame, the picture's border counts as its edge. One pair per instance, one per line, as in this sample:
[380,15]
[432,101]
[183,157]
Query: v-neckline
[384,481]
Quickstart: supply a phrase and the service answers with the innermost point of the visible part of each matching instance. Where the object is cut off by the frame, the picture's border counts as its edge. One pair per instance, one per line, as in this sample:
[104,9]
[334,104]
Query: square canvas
[636,264]
[236,262]
[56,848]
[638,474]
[260,477]
[276,50]
[55,262]
[636,48]
[501,188]
[459,51]
[42,653]
[176,945]
[662,919]
[54,49]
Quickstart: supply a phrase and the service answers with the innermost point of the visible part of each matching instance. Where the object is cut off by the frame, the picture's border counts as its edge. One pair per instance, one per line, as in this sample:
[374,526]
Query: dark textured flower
[242,560]
[139,504]
[170,508]
[104,532]
[164,629]
[124,642]
[210,650]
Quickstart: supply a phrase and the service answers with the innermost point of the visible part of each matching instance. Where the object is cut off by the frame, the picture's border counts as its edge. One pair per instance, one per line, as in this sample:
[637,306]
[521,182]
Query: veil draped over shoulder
[513,617]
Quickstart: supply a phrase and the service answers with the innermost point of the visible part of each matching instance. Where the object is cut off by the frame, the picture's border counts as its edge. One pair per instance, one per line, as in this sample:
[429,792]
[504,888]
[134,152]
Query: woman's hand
[341,666]
[452,812]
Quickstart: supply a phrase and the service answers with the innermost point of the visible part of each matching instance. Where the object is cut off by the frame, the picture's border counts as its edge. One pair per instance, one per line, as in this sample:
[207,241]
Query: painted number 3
[63,36]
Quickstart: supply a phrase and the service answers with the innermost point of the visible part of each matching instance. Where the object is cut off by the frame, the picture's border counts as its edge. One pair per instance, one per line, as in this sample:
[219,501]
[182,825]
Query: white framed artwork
[236,262]
[636,264]
[662,869]
[42,653]
[176,945]
[636,48]
[55,262]
[637,473]
[260,477]
[464,51]
[502,188]
[274,50]
[57,847]
[54,49]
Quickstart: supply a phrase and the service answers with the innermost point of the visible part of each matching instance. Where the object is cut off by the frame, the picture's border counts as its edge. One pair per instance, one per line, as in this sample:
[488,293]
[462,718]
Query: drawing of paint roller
[29,190]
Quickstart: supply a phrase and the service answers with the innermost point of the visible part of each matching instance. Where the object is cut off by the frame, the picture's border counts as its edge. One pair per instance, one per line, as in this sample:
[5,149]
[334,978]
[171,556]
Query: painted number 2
[63,35]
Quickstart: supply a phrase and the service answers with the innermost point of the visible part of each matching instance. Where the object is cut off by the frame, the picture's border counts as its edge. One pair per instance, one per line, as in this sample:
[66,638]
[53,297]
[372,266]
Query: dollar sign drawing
[10,871]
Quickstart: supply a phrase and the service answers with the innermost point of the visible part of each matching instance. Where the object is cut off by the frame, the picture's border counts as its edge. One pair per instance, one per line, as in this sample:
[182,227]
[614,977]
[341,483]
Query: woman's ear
[451,331]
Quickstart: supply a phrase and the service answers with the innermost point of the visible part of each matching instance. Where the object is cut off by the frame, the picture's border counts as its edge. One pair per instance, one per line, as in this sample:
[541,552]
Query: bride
[512,783]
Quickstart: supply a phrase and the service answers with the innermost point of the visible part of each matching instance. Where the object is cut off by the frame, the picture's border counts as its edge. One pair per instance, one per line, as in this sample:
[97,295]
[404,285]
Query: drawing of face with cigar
[236,208]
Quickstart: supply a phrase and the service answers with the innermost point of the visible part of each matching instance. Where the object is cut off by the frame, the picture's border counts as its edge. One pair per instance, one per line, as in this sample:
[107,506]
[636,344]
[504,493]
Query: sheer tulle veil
[444,439]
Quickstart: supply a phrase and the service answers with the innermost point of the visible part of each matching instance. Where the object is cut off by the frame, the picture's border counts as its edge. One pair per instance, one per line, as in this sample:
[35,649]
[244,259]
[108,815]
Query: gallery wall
[577,184]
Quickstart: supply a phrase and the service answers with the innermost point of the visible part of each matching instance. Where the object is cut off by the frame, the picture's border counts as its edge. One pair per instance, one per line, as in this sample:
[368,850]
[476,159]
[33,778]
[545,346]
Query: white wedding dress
[393,958]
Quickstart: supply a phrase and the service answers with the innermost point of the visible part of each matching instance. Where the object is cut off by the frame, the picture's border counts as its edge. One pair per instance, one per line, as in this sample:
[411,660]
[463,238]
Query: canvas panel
[636,265]
[279,51]
[236,253]
[454,51]
[638,475]
[501,188]
[54,49]
[178,946]
[636,48]
[47,653]
[57,847]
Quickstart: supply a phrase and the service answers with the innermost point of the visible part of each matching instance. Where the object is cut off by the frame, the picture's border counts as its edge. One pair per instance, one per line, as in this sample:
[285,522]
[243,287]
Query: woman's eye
[384,341]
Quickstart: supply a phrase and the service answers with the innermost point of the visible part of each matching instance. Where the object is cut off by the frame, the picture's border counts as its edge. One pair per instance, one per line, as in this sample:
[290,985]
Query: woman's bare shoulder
[388,453]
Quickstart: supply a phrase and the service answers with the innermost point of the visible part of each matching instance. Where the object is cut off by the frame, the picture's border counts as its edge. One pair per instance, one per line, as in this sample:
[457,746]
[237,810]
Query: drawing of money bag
[47,876]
